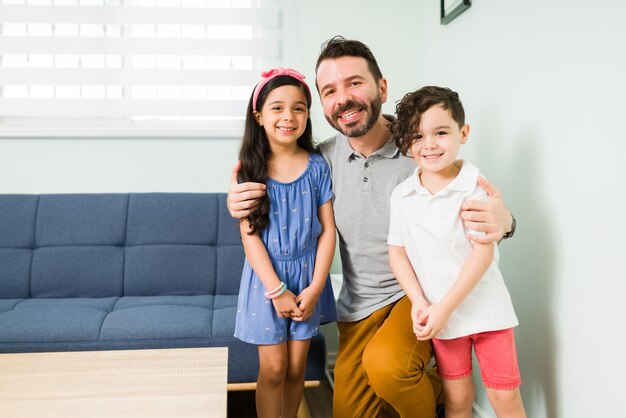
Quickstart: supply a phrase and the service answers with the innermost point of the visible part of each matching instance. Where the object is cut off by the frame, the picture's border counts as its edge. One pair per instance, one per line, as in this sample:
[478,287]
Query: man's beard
[361,129]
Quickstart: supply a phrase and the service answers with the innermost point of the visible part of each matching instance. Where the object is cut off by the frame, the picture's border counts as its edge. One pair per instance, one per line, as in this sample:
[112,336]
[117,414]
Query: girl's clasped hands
[298,308]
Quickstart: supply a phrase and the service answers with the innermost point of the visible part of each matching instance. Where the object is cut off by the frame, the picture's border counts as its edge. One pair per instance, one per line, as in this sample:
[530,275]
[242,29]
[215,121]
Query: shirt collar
[389,150]
[465,181]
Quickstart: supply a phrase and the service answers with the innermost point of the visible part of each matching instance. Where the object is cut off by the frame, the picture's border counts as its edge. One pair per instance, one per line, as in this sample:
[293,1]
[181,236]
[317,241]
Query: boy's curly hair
[410,109]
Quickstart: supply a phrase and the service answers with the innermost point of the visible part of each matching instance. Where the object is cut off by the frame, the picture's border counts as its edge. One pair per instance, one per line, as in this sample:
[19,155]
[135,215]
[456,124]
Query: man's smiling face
[350,96]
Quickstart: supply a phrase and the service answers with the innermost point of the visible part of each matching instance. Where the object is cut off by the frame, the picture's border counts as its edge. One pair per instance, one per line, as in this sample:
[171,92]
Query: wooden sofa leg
[303,409]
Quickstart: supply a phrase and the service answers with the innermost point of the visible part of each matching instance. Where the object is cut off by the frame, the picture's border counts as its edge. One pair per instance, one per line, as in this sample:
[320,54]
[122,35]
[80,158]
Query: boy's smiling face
[437,143]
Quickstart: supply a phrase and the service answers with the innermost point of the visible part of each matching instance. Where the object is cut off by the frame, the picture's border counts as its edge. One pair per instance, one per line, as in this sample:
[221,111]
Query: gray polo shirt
[362,187]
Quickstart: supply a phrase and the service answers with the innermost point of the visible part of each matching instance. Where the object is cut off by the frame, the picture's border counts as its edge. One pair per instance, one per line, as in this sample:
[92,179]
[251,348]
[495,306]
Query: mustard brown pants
[380,369]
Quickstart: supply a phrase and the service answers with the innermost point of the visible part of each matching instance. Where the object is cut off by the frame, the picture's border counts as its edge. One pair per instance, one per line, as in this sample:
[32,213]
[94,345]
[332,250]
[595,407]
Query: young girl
[465,302]
[288,238]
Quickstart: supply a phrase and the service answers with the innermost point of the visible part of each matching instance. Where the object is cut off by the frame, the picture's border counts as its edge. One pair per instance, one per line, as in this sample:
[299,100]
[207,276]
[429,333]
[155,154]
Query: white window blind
[132,67]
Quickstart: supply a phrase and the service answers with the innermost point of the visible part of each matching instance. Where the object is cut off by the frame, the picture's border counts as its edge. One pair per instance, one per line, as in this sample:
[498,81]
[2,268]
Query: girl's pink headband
[275,72]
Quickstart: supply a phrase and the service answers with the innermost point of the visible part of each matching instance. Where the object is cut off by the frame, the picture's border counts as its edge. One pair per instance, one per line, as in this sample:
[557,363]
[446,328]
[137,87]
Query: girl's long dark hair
[255,150]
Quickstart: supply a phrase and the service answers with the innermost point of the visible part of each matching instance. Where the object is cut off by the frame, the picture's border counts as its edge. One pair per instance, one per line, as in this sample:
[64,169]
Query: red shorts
[496,354]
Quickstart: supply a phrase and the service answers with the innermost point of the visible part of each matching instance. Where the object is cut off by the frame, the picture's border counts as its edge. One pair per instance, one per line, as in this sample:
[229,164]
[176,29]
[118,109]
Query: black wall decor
[452,8]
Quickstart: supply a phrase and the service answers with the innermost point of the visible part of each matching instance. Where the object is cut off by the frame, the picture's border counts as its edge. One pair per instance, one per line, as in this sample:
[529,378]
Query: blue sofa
[124,271]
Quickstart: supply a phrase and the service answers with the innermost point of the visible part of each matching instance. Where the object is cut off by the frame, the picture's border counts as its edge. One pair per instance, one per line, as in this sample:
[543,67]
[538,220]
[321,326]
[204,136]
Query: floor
[319,400]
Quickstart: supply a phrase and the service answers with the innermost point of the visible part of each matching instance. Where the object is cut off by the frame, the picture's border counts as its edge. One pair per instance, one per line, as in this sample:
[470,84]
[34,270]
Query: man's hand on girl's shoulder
[242,196]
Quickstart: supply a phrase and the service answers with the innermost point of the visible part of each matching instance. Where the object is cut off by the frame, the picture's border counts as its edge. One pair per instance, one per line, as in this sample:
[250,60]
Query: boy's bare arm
[472,271]
[405,275]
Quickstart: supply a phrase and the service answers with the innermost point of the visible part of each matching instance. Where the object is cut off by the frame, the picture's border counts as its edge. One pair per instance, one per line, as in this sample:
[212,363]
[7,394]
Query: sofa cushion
[172,218]
[50,320]
[224,313]
[152,270]
[156,318]
[17,220]
[15,272]
[225,267]
[77,271]
[17,240]
[81,219]
[8,304]
[117,319]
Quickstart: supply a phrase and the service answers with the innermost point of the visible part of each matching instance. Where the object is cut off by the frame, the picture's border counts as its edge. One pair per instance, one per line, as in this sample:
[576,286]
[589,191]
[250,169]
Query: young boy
[458,296]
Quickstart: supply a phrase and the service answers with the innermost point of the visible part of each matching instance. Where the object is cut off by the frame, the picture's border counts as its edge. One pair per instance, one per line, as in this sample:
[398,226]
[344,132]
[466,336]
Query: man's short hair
[338,46]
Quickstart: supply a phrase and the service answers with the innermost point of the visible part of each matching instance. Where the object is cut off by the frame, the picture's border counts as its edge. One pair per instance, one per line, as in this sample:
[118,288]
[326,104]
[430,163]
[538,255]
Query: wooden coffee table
[185,382]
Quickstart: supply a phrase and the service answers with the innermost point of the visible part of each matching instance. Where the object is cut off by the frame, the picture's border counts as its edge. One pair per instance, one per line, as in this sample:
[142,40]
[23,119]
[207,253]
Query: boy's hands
[490,217]
[307,301]
[431,321]
[286,306]
[242,197]
[416,312]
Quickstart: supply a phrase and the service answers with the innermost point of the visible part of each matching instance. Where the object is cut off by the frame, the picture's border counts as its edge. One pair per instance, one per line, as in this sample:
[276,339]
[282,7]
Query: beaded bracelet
[276,292]
[280,286]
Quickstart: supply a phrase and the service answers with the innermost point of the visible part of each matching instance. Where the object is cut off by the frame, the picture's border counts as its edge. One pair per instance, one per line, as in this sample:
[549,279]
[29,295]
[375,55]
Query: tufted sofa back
[103,245]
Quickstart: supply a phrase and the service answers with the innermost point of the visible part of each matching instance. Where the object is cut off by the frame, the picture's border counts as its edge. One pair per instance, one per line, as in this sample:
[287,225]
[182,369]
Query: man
[381,366]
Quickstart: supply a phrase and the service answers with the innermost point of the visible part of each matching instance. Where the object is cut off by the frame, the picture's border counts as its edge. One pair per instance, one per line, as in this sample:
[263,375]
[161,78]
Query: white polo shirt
[431,230]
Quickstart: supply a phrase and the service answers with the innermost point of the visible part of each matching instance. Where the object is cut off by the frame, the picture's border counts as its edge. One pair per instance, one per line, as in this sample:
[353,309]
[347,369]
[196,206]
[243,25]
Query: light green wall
[543,87]
[115,165]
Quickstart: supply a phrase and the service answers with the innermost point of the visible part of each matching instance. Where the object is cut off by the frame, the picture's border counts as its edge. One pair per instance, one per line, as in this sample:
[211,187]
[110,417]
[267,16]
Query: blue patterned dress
[291,243]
